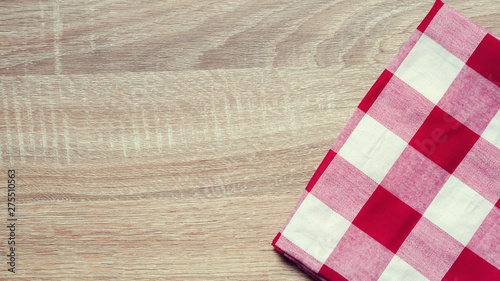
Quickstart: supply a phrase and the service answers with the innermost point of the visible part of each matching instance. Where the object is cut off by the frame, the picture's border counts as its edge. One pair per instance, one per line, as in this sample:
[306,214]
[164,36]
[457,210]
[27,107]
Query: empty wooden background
[169,140]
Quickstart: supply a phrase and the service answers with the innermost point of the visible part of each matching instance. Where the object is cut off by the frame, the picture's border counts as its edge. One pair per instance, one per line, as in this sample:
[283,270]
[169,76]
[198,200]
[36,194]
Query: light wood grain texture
[169,140]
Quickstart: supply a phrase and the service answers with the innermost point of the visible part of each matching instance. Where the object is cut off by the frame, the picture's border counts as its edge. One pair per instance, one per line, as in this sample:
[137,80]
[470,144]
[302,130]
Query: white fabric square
[458,210]
[316,228]
[429,68]
[398,270]
[492,132]
[372,148]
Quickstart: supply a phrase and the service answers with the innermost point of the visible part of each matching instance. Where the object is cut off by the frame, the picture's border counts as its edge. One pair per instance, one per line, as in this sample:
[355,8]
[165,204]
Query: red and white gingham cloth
[410,189]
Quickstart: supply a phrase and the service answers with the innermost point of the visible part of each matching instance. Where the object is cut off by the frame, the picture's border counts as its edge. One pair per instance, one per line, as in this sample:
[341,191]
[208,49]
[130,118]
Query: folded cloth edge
[367,100]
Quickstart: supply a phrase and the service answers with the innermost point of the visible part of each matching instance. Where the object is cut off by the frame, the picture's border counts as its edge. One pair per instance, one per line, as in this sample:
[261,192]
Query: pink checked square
[472,99]
[486,59]
[455,33]
[470,266]
[401,109]
[344,188]
[480,170]
[444,140]
[387,219]
[430,250]
[415,179]
[358,256]
[486,240]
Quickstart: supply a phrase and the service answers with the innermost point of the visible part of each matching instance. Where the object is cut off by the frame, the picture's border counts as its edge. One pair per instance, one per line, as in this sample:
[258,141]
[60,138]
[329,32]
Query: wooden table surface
[169,140]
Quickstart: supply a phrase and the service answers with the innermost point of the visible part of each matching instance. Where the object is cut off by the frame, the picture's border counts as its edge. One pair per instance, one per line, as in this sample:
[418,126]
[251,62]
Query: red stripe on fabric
[275,240]
[331,274]
[498,204]
[432,13]
[470,266]
[322,167]
[375,90]
[486,59]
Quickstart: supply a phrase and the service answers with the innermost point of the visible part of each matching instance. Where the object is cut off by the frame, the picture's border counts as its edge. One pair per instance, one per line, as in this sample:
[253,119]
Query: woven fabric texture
[410,190]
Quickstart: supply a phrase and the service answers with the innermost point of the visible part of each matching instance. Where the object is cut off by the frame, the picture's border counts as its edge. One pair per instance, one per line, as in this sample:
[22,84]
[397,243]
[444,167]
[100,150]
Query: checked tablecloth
[410,189]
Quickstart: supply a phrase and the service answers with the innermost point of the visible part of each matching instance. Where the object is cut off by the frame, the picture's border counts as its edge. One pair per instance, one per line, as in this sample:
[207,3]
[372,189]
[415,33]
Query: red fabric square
[415,179]
[358,256]
[387,219]
[375,91]
[444,140]
[486,240]
[472,100]
[486,59]
[401,109]
[480,170]
[430,250]
[470,266]
[352,188]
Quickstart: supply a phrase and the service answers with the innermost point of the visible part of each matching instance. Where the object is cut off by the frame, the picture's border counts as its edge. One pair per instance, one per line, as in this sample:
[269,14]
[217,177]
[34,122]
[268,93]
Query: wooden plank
[171,139]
